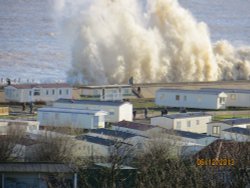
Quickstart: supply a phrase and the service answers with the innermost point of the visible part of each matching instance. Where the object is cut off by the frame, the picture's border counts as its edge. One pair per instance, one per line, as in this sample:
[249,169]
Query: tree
[109,173]
[230,163]
[53,147]
[161,166]
[10,150]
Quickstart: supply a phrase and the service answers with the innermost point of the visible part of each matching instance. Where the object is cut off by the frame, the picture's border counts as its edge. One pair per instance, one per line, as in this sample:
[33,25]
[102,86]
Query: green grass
[143,103]
[229,116]
[18,116]
[7,117]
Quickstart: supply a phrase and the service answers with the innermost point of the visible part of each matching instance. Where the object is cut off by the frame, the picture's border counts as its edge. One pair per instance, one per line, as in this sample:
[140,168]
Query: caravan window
[222,100]
[178,126]
[177,97]
[37,92]
[216,130]
[233,97]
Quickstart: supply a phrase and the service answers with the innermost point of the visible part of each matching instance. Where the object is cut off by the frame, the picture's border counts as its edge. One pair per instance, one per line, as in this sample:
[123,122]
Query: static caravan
[236,133]
[189,137]
[87,145]
[136,140]
[216,127]
[192,122]
[136,128]
[107,92]
[199,99]
[235,97]
[117,110]
[68,117]
[24,93]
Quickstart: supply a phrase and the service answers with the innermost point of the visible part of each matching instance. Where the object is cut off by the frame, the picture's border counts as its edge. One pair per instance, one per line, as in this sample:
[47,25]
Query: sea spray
[153,41]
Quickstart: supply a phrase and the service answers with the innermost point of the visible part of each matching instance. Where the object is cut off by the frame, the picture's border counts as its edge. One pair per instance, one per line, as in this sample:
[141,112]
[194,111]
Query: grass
[19,116]
[230,116]
[143,103]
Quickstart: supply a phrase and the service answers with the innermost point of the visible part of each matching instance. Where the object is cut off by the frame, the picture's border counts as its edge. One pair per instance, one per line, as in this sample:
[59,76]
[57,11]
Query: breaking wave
[153,41]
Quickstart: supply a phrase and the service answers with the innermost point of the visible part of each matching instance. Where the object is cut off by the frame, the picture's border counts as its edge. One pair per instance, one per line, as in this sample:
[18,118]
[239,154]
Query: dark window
[177,97]
[53,92]
[60,92]
[37,92]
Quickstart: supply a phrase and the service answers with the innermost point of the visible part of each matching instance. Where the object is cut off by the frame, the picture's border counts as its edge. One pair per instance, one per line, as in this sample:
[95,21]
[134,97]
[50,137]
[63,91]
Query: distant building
[192,122]
[236,133]
[107,92]
[44,175]
[24,93]
[214,128]
[117,110]
[235,97]
[69,117]
[199,99]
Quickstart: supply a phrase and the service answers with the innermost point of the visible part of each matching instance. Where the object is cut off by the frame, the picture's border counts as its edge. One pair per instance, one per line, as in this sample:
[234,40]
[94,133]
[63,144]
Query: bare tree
[120,154]
[53,147]
[226,163]
[161,166]
[110,175]
[10,149]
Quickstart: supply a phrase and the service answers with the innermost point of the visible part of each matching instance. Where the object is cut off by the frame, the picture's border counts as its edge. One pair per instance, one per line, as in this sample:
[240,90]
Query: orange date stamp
[215,162]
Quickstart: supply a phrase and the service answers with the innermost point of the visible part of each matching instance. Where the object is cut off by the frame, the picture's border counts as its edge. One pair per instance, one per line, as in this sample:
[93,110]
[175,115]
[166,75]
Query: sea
[32,48]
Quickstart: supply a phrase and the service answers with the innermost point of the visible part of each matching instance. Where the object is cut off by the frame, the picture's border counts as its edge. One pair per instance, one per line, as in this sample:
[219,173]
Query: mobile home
[199,99]
[236,97]
[107,92]
[75,118]
[216,127]
[117,110]
[192,122]
[37,92]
